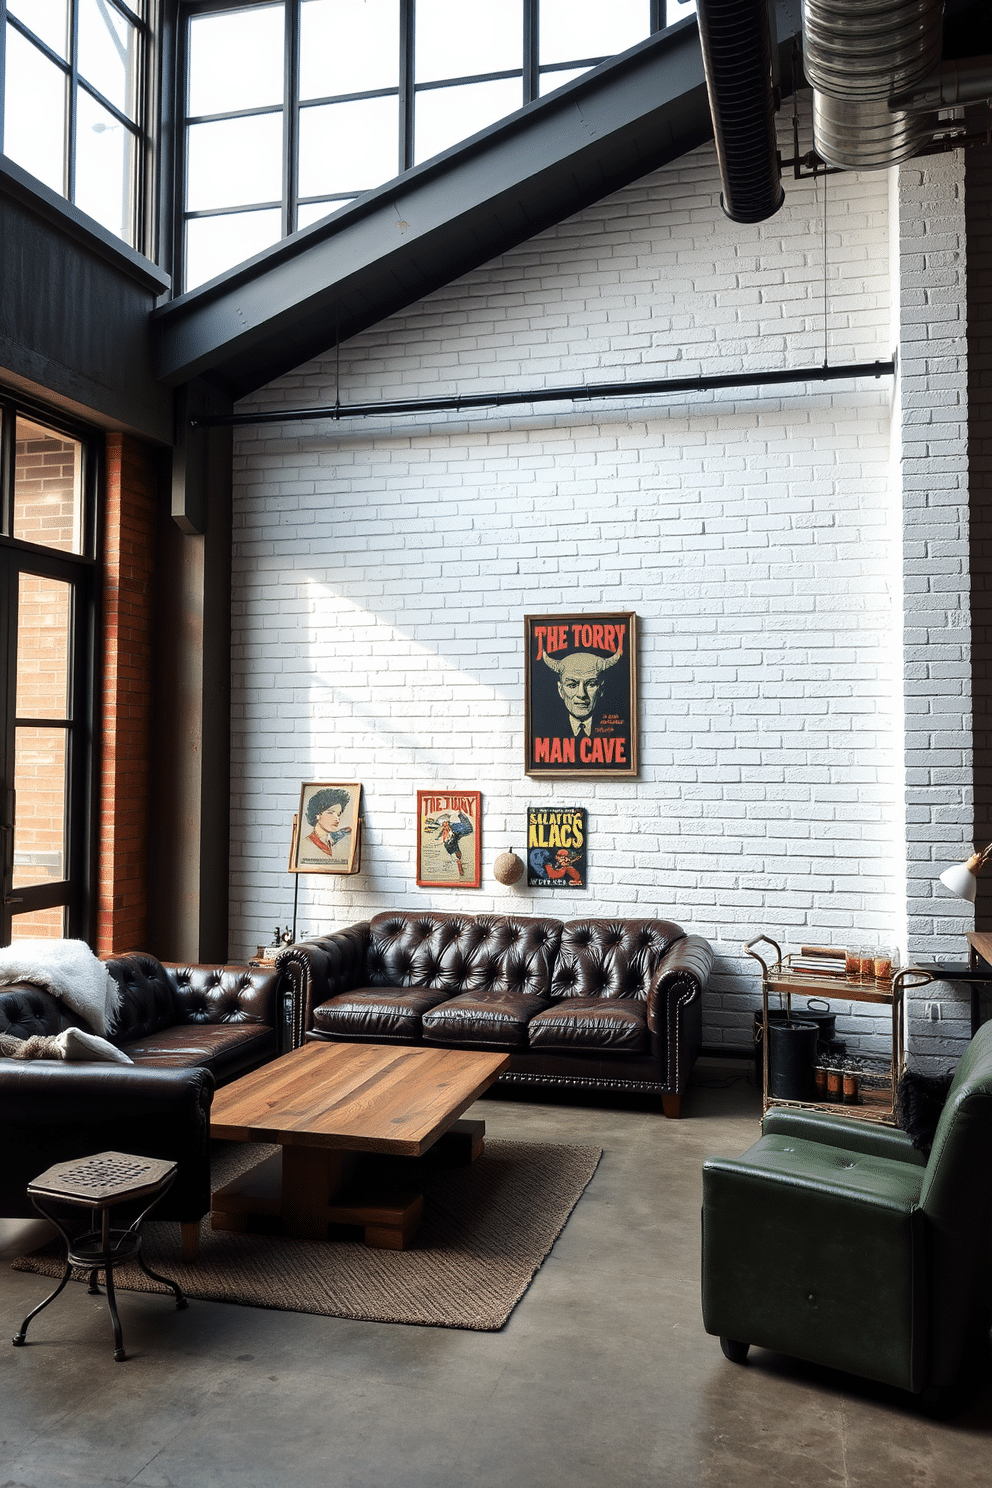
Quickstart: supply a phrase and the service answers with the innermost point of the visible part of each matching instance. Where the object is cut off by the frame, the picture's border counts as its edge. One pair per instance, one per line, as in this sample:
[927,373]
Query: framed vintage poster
[581,695]
[327,830]
[556,847]
[449,839]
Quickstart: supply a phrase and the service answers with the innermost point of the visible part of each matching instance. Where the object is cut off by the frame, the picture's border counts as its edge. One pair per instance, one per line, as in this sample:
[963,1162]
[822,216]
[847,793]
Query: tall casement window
[47,579]
[74,104]
[294,107]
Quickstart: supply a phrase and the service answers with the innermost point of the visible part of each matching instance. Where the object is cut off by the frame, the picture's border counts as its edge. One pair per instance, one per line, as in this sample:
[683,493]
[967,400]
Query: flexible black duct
[737,60]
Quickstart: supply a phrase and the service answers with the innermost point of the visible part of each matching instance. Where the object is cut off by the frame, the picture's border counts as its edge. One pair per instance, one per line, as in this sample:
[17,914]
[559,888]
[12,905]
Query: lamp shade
[960,879]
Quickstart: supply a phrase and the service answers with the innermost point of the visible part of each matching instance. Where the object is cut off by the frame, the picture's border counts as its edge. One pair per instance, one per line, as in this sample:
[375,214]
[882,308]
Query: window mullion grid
[181,157]
[111,108]
[146,114]
[71,110]
[658,8]
[291,118]
[263,206]
[408,20]
[531,44]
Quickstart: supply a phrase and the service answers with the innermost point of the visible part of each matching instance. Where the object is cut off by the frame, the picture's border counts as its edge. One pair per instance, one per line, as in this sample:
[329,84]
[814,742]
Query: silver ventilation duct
[857,54]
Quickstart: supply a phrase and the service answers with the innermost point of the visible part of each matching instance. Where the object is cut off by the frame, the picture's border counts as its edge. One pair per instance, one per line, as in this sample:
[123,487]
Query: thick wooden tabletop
[358,1097]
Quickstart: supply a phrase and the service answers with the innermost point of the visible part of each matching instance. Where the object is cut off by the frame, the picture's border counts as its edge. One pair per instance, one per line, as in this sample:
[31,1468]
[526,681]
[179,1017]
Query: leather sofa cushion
[388,1013]
[214,1046]
[500,1021]
[611,958]
[455,953]
[590,1023]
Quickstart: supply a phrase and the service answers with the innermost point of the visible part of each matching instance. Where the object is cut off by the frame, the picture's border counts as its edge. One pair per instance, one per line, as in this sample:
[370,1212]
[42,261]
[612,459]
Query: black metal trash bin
[827,1043]
[792,1059]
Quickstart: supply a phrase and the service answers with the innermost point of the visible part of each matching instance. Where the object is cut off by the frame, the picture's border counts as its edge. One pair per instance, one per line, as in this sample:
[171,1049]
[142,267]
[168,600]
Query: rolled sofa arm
[675,1008]
[51,1112]
[319,969]
[26,1009]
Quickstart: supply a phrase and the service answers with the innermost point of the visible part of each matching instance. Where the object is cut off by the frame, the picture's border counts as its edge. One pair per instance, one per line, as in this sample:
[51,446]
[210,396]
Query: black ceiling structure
[390,248]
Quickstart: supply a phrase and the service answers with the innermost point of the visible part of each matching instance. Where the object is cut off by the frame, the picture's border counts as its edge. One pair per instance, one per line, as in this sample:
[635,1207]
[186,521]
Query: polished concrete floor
[602,1378]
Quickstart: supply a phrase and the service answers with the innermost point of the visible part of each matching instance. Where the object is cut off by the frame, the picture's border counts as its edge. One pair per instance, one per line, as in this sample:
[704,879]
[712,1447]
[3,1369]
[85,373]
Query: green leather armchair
[836,1241]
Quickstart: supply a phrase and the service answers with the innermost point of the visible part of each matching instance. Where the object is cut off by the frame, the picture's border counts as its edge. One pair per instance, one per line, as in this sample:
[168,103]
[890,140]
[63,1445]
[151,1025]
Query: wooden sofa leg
[191,1239]
[672,1105]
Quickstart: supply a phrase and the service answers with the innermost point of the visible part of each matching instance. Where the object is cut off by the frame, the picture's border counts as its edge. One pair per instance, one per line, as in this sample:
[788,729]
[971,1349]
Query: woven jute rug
[486,1229]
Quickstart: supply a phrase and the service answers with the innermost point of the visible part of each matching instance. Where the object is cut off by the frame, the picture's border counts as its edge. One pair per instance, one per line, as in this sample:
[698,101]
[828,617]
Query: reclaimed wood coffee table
[327,1104]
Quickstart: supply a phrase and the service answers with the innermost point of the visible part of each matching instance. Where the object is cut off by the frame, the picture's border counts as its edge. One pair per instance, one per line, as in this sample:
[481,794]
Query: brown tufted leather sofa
[187,1029]
[588,1004]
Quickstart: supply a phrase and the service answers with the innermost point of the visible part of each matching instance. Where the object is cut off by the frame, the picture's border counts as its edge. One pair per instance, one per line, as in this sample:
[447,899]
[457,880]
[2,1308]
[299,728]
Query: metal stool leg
[119,1353]
[164,1280]
[20,1337]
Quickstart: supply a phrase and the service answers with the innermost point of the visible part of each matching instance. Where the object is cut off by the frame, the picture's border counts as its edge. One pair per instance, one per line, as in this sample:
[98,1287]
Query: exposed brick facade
[128,600]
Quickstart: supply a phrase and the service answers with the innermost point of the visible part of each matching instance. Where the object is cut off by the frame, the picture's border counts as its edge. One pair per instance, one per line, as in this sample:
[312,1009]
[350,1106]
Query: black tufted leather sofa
[187,1029]
[594,1003]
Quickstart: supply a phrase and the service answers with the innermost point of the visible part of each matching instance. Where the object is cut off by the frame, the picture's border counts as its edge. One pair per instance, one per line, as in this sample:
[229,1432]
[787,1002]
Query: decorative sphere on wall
[507,868]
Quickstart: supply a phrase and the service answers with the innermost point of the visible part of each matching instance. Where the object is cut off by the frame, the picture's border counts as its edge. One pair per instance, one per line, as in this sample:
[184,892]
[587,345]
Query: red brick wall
[129,572]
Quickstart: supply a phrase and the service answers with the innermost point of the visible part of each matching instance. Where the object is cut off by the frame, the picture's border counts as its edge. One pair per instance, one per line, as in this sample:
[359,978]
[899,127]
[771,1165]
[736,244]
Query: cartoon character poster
[581,702]
[556,847]
[449,839]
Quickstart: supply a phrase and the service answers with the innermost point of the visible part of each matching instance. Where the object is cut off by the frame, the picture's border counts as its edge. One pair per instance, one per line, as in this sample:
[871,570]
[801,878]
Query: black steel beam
[392,247]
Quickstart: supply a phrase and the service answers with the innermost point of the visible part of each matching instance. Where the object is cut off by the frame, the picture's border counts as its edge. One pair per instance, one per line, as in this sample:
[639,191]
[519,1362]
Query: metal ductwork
[737,60]
[967,80]
[857,54]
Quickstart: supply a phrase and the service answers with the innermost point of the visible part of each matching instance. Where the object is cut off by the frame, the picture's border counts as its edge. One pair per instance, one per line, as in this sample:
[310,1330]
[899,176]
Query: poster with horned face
[581,695]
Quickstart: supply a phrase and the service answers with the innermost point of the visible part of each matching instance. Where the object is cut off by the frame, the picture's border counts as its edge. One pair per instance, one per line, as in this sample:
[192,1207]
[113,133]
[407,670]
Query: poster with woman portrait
[581,695]
[327,837]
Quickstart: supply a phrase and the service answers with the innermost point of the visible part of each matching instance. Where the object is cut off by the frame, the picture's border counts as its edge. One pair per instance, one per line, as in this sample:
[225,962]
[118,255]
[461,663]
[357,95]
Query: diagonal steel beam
[393,246]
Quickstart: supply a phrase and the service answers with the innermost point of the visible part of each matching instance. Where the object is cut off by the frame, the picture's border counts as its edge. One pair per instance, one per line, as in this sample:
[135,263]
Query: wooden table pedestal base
[301,1191]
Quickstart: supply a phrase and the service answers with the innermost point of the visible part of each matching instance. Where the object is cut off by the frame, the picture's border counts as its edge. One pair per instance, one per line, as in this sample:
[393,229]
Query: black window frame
[530,73]
[143,235]
[76,893]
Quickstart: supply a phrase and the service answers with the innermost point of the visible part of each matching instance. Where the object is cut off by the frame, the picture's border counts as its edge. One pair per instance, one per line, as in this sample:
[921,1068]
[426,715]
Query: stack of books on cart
[818,962]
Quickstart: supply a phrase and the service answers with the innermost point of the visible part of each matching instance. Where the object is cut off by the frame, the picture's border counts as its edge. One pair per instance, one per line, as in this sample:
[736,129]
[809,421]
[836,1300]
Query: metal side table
[99,1183]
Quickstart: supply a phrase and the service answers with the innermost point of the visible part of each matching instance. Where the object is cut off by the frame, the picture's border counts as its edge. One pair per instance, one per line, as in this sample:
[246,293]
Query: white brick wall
[382,569]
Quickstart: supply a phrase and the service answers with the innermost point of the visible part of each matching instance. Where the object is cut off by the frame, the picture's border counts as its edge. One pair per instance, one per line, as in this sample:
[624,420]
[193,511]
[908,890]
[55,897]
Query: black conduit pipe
[584,392]
[737,60]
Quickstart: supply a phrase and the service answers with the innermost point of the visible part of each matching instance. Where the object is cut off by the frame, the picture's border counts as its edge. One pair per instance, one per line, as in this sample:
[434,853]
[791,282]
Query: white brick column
[931,442]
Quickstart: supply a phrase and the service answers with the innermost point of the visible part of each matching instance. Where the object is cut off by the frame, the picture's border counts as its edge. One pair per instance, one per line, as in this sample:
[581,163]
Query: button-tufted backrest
[147,1002]
[481,954]
[611,958]
[223,994]
[154,996]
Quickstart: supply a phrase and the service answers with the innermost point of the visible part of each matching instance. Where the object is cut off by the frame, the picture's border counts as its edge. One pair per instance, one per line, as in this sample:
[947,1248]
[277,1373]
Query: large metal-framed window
[48,476]
[76,103]
[292,108]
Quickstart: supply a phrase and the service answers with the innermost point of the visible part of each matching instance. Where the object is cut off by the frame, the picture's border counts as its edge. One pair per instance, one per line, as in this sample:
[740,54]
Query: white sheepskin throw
[68,970]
